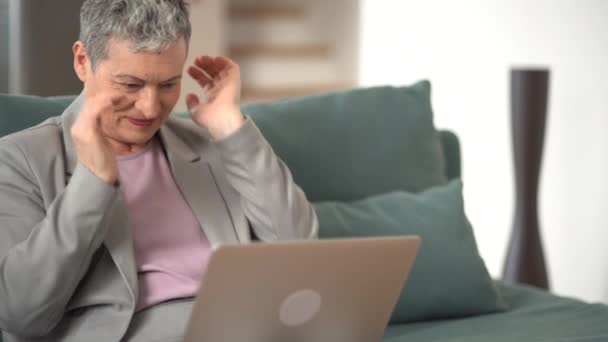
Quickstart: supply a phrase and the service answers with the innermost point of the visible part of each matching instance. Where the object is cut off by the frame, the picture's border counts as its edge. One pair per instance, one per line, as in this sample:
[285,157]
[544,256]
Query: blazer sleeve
[44,251]
[275,206]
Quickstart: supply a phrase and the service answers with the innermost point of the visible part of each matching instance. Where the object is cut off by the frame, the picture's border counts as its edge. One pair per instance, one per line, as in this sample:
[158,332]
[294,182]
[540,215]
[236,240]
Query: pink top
[171,250]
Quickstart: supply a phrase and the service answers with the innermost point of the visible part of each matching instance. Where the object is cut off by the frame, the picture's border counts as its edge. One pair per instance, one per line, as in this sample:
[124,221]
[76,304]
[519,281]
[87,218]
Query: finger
[192,102]
[229,69]
[224,61]
[212,66]
[204,60]
[205,63]
[120,103]
[227,61]
[110,103]
[218,66]
[223,66]
[99,104]
[198,75]
[107,101]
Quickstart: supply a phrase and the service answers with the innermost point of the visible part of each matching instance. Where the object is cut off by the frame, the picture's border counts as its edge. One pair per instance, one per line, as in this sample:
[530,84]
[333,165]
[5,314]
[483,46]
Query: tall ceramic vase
[525,261]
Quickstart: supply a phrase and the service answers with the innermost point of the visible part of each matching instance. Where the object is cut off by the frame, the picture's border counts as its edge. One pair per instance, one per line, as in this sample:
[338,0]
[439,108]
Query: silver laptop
[340,290]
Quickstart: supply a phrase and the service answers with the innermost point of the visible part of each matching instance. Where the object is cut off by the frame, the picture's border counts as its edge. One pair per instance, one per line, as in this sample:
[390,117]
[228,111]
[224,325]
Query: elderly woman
[108,213]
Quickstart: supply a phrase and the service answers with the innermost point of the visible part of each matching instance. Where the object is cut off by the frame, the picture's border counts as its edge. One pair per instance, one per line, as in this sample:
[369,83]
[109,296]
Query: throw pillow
[449,278]
[353,144]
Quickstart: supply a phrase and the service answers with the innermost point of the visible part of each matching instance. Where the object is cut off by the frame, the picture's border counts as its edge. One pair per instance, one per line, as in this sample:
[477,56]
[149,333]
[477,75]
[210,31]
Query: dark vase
[525,262]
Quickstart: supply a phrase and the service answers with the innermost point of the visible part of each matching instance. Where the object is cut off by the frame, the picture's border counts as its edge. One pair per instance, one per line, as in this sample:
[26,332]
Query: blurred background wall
[284,47]
[41,34]
[3,46]
[466,48]
[293,47]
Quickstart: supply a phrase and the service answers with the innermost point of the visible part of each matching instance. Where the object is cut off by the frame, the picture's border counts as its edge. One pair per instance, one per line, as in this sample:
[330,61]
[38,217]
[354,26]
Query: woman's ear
[82,63]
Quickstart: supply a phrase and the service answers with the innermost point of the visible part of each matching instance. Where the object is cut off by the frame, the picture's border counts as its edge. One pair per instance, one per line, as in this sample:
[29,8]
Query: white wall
[466,49]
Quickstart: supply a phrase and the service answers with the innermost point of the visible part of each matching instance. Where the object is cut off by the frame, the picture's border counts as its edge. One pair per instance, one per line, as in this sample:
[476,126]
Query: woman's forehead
[150,66]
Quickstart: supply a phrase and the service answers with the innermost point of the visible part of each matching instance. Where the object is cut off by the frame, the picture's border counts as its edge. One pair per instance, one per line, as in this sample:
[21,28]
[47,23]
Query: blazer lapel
[193,174]
[118,240]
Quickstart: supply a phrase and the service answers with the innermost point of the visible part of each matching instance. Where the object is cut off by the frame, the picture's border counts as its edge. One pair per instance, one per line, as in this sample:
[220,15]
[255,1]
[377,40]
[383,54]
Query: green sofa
[373,155]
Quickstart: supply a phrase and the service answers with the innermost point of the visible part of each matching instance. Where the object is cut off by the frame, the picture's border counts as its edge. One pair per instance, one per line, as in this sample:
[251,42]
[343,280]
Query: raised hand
[220,81]
[92,148]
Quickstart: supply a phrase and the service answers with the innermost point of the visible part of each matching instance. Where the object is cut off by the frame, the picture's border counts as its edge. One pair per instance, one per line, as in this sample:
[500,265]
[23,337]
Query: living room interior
[467,50]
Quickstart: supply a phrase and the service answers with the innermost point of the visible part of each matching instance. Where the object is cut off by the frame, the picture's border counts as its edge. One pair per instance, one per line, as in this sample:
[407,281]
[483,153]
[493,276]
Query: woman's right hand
[92,148]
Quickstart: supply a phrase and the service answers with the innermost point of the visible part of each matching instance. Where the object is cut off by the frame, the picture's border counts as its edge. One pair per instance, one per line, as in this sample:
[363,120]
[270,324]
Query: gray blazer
[67,271]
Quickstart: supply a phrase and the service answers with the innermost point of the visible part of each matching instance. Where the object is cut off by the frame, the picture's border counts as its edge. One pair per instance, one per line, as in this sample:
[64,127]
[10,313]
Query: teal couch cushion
[339,146]
[534,316]
[349,145]
[20,112]
[449,278]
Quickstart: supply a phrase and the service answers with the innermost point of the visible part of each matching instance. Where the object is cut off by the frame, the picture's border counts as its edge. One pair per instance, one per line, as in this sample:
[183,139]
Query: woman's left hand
[220,81]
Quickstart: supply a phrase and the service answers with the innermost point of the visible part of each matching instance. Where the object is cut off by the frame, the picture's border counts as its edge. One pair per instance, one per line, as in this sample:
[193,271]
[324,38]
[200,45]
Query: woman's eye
[131,86]
[168,85]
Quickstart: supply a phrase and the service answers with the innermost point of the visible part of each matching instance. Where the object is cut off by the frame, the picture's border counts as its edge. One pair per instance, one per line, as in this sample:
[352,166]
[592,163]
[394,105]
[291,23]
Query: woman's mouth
[141,122]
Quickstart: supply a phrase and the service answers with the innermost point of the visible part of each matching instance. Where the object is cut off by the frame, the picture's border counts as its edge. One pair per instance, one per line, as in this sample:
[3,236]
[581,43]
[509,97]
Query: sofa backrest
[352,122]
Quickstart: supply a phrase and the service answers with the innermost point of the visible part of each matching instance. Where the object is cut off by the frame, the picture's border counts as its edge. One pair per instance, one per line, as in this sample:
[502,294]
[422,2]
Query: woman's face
[150,83]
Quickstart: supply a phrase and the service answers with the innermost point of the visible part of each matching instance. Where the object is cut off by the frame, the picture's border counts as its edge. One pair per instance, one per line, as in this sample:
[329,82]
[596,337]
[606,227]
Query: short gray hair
[148,25]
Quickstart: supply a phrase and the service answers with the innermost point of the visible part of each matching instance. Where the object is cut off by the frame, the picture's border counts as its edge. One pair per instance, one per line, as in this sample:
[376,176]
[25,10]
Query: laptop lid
[339,290]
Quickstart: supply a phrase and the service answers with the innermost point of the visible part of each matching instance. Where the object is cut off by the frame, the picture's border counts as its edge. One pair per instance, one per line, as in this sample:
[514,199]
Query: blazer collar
[175,146]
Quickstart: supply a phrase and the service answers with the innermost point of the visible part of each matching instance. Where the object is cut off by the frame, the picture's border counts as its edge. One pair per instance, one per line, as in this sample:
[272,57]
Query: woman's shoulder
[37,142]
[43,133]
